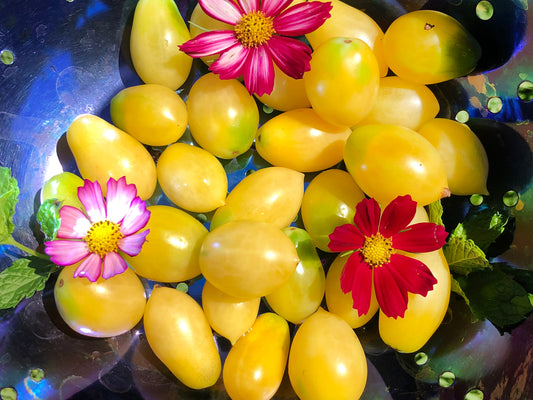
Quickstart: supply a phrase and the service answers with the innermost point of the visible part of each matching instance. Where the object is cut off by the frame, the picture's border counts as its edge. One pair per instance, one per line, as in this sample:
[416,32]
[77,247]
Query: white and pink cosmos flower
[259,39]
[97,236]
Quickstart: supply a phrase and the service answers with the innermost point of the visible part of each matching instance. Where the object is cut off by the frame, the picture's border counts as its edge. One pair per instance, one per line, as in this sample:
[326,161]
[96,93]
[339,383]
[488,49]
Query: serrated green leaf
[463,256]
[48,218]
[435,212]
[456,288]
[9,192]
[22,279]
[484,226]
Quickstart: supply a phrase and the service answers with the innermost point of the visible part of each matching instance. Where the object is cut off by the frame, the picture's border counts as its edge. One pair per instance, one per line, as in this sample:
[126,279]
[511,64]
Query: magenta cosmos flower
[373,241]
[95,238]
[259,39]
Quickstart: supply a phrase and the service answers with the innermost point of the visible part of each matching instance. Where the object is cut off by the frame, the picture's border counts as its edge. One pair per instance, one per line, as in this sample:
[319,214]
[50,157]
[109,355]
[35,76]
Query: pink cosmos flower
[97,235]
[259,39]
[373,240]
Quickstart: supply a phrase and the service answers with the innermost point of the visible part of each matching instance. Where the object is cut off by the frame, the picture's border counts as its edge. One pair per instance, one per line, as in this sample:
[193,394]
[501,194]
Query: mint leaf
[463,256]
[9,192]
[456,288]
[435,211]
[22,279]
[48,218]
[484,226]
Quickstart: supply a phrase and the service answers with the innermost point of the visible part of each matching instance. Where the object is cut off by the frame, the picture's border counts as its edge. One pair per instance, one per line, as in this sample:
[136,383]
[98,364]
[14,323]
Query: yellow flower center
[254,29]
[377,250]
[103,237]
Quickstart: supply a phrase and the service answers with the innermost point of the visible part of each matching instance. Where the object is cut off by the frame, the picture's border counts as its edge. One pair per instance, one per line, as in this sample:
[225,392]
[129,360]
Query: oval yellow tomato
[287,94]
[90,308]
[180,336]
[63,187]
[299,139]
[101,151]
[254,367]
[170,253]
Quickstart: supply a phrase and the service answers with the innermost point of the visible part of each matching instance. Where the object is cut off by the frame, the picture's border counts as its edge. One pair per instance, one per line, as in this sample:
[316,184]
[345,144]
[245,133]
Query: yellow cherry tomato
[157,31]
[247,259]
[192,178]
[254,367]
[153,114]
[288,93]
[63,187]
[341,303]
[342,84]
[180,336]
[170,253]
[465,158]
[223,116]
[101,151]
[329,201]
[229,316]
[301,140]
[400,102]
[387,161]
[326,359]
[271,194]
[105,308]
[427,46]
[302,294]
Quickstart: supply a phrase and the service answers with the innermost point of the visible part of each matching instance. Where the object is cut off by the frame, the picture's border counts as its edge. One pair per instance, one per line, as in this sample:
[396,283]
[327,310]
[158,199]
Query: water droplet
[494,104]
[202,218]
[267,109]
[8,393]
[37,374]
[484,10]
[446,379]
[510,198]
[476,199]
[525,91]
[474,394]
[7,57]
[462,116]
[421,358]
[182,287]
[519,206]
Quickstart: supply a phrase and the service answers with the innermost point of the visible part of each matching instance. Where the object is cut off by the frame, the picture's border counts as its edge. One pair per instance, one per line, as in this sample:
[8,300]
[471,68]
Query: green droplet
[476,199]
[525,91]
[182,287]
[495,104]
[7,57]
[462,116]
[267,109]
[8,393]
[421,358]
[446,379]
[37,374]
[510,198]
[202,218]
[484,10]
[474,394]
[530,298]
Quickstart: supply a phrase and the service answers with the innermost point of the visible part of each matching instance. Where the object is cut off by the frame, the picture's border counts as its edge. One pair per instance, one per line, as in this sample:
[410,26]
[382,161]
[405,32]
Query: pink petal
[391,295]
[290,55]
[222,10]
[74,223]
[66,252]
[231,63]
[345,238]
[367,213]
[420,238]
[90,268]
[357,278]
[137,216]
[119,197]
[114,264]
[272,8]
[209,43]
[249,6]
[413,274]
[302,18]
[259,73]
[132,244]
[90,195]
[397,215]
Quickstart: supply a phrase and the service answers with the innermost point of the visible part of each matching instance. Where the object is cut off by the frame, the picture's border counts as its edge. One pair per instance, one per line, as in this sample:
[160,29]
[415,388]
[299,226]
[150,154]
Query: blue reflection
[29,389]
[95,8]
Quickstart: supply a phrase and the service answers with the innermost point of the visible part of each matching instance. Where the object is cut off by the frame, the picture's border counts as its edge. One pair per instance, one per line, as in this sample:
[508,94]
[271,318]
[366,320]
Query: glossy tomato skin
[287,94]
[90,308]
[326,359]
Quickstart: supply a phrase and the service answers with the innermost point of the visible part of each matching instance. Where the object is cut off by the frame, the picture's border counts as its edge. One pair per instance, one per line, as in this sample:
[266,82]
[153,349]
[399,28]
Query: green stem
[12,242]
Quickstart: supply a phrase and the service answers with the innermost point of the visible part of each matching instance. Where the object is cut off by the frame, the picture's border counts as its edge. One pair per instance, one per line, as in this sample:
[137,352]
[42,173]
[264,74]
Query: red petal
[357,277]
[259,73]
[290,55]
[273,7]
[391,295]
[222,10]
[345,238]
[367,213]
[249,6]
[416,275]
[231,63]
[420,238]
[397,215]
[209,43]
[302,18]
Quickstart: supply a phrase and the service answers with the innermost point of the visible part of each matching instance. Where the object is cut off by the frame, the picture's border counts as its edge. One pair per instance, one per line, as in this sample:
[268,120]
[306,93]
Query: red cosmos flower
[372,241]
[259,39]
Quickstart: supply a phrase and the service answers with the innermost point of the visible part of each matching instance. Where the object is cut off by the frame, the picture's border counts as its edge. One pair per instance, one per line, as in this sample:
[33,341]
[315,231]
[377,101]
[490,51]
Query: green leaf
[22,279]
[435,211]
[484,226]
[463,256]
[9,192]
[523,276]
[48,217]
[456,288]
